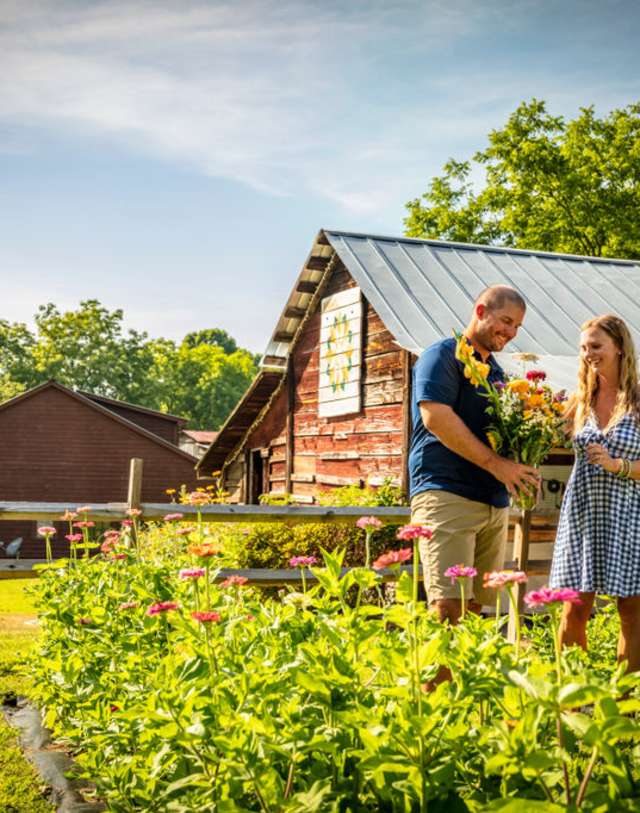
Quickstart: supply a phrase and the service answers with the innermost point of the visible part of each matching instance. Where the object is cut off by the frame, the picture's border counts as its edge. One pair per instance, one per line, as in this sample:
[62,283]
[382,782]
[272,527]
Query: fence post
[521,534]
[134,492]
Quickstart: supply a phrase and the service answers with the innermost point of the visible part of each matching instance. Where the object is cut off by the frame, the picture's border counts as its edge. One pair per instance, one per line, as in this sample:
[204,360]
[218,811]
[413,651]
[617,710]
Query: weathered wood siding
[343,450]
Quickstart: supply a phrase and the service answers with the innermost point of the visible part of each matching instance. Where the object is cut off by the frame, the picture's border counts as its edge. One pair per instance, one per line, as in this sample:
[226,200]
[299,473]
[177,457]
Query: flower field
[182,694]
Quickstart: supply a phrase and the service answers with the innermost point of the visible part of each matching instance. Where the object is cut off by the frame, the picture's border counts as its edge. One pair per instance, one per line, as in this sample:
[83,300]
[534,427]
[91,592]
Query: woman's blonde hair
[627,400]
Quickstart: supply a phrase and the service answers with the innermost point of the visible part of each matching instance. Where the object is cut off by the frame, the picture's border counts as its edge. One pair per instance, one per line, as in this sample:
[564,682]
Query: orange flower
[534,401]
[205,549]
[519,386]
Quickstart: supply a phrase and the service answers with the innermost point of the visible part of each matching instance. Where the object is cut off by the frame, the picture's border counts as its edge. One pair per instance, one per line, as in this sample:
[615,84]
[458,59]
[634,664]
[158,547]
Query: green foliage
[550,184]
[202,379]
[271,545]
[385,494]
[315,702]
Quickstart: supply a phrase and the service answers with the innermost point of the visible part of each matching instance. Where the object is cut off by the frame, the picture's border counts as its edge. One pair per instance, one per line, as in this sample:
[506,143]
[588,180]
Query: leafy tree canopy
[202,378]
[550,184]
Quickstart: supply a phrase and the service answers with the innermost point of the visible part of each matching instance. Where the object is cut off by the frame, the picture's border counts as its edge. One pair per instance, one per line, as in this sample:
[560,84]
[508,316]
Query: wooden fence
[528,527]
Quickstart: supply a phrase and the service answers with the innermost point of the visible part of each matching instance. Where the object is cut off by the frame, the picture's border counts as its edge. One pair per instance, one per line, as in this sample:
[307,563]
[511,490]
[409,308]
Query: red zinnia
[206,617]
[393,557]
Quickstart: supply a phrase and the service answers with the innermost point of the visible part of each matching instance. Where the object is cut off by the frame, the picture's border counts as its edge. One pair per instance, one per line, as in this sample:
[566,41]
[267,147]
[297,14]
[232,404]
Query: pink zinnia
[192,573]
[498,578]
[410,532]
[198,498]
[74,537]
[550,595]
[234,580]
[460,572]
[83,509]
[205,617]
[84,523]
[303,561]
[69,515]
[171,517]
[162,607]
[184,531]
[127,523]
[129,605]
[134,512]
[536,375]
[119,556]
[393,557]
[46,530]
[368,522]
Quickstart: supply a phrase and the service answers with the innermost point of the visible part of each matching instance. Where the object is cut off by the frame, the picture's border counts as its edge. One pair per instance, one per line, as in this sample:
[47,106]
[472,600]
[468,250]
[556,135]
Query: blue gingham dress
[597,546]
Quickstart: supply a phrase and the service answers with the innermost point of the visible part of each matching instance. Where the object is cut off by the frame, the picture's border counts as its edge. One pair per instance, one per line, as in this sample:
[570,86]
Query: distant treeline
[200,378]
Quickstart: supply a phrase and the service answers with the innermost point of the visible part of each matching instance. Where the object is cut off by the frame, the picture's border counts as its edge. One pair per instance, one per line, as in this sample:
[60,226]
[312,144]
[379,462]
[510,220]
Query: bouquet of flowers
[527,416]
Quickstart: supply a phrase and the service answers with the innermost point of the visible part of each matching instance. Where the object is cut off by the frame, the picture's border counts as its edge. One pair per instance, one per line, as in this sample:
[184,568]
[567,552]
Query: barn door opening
[259,465]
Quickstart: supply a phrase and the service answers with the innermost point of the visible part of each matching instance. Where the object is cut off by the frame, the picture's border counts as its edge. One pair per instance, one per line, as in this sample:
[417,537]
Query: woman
[597,548]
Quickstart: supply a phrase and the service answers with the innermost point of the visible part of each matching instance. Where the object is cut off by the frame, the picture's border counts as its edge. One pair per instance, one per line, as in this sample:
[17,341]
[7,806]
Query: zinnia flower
[205,617]
[184,531]
[303,561]
[119,556]
[550,595]
[74,537]
[162,607]
[518,385]
[84,509]
[129,605]
[84,523]
[536,375]
[234,580]
[460,572]
[368,522]
[134,512]
[393,557]
[498,578]
[171,517]
[198,498]
[192,573]
[46,530]
[127,523]
[68,515]
[409,532]
[205,549]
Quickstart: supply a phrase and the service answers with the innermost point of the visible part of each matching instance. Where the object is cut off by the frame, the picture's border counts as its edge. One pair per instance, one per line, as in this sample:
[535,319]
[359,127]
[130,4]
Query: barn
[331,403]
[58,445]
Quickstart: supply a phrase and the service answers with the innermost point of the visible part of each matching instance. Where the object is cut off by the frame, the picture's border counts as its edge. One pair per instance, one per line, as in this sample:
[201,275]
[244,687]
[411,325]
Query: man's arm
[451,430]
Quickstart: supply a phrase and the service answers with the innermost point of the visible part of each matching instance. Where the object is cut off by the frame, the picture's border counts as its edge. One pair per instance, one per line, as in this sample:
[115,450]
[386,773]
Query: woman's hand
[599,456]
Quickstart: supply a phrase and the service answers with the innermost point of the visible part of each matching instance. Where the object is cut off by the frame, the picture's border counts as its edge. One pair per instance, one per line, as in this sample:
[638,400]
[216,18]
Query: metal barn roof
[424,289]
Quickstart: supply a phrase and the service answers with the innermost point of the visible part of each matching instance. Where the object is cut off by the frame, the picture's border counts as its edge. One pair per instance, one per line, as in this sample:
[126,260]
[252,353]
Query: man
[459,487]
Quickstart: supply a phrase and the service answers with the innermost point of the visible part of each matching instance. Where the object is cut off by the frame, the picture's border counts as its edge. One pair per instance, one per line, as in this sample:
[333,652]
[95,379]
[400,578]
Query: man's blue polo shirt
[438,376]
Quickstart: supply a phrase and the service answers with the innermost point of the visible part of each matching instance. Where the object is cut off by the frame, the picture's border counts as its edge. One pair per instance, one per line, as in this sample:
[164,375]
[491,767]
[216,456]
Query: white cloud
[286,97]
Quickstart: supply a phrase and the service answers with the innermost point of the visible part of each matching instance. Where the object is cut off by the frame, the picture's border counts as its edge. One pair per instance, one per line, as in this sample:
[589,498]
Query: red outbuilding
[57,445]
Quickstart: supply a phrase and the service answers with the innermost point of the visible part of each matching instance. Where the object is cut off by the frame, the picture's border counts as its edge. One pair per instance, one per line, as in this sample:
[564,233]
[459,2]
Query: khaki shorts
[464,532]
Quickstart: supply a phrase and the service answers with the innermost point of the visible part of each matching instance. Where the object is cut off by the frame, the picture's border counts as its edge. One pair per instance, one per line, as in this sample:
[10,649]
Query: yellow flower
[493,441]
[519,385]
[535,400]
[477,374]
[558,407]
[464,351]
[170,491]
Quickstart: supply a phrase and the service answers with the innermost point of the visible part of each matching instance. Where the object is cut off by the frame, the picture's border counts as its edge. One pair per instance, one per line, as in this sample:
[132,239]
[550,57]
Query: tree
[202,379]
[550,185]
[87,349]
[206,383]
[215,336]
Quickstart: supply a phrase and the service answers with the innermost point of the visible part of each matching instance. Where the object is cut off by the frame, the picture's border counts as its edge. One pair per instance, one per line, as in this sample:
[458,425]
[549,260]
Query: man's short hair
[497,296]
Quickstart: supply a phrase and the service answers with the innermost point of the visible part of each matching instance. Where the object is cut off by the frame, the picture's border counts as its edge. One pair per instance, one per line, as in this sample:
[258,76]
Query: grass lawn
[21,790]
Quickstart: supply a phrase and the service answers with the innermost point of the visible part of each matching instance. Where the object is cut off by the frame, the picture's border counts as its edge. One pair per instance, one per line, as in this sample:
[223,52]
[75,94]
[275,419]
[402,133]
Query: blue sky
[176,159]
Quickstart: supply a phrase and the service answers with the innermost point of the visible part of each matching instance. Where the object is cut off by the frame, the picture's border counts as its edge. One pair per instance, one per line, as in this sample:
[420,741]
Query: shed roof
[424,289]
[109,402]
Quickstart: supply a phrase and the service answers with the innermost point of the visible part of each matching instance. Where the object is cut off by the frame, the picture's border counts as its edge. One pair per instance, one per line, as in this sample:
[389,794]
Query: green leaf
[404,588]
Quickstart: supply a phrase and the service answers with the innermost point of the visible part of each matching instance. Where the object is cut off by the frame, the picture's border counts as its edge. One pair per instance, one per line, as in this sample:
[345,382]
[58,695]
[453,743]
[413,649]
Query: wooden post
[406,420]
[291,400]
[521,535]
[134,492]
